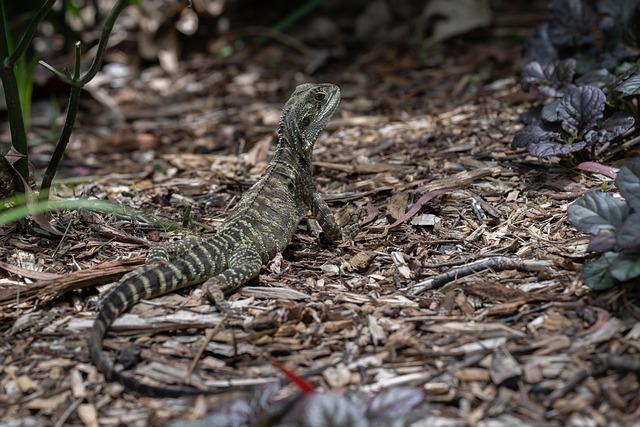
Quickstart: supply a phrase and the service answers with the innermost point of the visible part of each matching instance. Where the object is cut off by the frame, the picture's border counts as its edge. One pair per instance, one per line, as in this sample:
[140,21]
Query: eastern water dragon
[257,228]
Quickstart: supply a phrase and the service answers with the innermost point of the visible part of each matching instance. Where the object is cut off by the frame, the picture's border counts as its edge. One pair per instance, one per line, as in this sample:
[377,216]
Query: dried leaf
[397,205]
[415,208]
[598,168]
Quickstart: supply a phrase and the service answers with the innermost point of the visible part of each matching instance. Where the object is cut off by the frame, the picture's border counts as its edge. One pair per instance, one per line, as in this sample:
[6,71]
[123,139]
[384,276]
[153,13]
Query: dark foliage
[615,225]
[396,406]
[586,64]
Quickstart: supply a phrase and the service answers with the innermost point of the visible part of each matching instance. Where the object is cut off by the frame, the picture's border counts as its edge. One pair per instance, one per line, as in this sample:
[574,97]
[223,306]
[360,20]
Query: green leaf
[72,8]
[625,267]
[628,182]
[597,212]
[595,274]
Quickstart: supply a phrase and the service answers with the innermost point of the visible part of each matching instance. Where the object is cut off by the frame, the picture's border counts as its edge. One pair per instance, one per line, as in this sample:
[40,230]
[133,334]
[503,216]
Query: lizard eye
[306,120]
[319,96]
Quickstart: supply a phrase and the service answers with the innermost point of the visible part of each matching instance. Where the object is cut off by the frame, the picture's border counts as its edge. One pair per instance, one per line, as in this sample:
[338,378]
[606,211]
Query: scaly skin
[258,227]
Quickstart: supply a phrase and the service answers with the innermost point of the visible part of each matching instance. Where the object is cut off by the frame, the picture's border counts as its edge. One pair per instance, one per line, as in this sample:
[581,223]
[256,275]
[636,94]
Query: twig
[621,363]
[570,385]
[497,263]
[211,332]
[67,413]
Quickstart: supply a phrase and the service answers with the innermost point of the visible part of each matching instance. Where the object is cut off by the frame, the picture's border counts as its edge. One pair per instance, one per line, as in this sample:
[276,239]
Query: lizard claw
[213,291]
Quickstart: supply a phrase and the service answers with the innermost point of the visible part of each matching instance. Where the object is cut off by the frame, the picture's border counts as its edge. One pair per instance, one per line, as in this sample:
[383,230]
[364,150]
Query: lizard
[257,228]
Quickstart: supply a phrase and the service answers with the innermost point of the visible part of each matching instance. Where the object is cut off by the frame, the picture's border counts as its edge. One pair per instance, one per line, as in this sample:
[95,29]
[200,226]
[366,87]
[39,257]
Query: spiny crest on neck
[306,113]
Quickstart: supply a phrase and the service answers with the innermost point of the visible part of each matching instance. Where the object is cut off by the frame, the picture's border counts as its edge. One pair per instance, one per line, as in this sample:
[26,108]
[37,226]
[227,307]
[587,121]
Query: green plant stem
[77,82]
[16,122]
[104,40]
[12,97]
[69,121]
[30,32]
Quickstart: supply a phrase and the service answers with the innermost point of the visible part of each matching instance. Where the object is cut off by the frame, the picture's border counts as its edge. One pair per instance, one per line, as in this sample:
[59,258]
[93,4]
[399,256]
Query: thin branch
[62,76]
[210,333]
[30,32]
[69,121]
[77,59]
[497,263]
[104,40]
[618,362]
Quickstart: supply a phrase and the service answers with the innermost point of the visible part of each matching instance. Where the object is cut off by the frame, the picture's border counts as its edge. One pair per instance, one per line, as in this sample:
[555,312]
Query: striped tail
[148,281]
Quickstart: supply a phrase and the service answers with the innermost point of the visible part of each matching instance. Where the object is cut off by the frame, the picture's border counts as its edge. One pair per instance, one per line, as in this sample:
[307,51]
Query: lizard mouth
[331,105]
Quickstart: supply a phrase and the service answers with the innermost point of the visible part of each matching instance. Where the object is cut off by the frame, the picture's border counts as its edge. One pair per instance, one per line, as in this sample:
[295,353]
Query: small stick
[497,263]
[620,363]
[67,413]
[207,338]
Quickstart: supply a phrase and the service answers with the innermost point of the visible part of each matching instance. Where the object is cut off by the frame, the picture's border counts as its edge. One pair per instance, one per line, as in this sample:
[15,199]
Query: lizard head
[308,110]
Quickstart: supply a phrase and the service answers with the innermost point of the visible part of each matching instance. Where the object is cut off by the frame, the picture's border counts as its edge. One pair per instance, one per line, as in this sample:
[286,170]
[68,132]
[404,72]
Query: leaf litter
[517,340]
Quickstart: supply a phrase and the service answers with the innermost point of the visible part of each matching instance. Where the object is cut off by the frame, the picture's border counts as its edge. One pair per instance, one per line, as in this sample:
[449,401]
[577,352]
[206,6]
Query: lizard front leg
[244,264]
[327,221]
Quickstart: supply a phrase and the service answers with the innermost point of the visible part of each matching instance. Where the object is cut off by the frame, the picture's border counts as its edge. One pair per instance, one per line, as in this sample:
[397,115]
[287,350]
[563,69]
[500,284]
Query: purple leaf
[571,22]
[598,78]
[625,267]
[564,72]
[619,10]
[325,410]
[394,403]
[595,274]
[628,236]
[539,46]
[601,244]
[618,124]
[549,112]
[533,134]
[628,183]
[535,73]
[549,77]
[581,108]
[631,86]
[545,149]
[596,212]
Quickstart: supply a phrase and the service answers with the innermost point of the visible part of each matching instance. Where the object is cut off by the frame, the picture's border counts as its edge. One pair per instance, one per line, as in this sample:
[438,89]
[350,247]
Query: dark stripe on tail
[147,281]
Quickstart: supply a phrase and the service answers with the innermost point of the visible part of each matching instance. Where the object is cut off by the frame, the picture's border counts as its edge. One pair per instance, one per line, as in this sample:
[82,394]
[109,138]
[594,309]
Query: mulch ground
[523,345]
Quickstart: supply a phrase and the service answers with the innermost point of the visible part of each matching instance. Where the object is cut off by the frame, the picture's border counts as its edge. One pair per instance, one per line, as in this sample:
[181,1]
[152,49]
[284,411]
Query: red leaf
[305,386]
[598,168]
